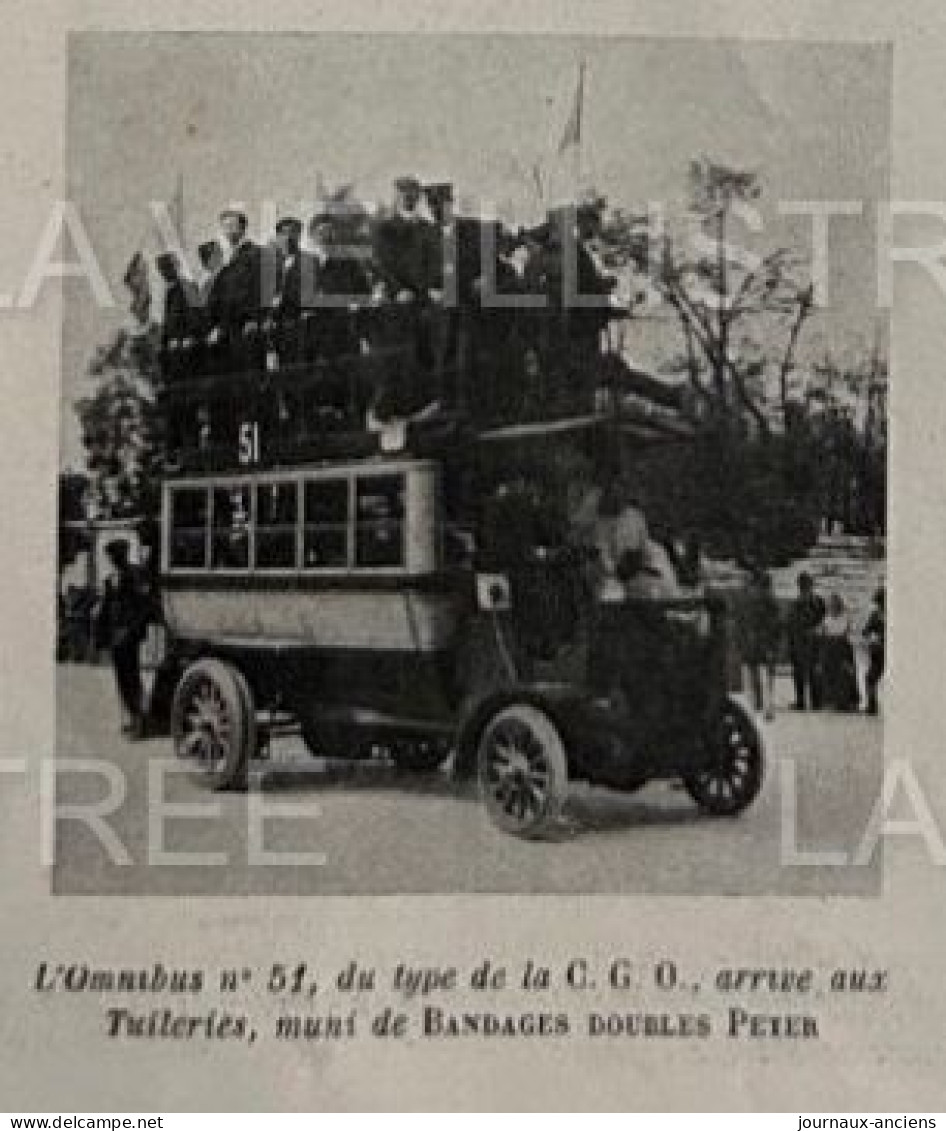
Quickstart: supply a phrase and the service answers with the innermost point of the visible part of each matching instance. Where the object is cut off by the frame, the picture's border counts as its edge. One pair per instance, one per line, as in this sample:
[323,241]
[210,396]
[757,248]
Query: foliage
[121,426]
[754,492]
[738,313]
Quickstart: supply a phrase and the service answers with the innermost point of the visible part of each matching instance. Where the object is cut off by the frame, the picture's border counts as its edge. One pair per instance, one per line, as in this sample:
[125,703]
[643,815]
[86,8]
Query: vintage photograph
[473,465]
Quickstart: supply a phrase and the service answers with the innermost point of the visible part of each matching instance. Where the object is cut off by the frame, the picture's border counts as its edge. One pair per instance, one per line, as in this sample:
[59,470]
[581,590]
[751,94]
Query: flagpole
[179,201]
[578,139]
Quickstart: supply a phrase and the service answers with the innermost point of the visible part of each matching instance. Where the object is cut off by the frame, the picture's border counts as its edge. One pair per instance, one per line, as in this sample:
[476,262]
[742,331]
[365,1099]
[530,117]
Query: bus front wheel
[523,770]
[213,722]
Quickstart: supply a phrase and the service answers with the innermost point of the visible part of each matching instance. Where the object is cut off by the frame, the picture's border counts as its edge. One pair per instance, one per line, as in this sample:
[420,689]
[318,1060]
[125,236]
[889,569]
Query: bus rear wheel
[213,722]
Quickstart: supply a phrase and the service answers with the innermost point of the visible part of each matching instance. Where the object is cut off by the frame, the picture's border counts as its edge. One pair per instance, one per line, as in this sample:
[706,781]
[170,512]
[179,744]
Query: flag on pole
[176,209]
[537,181]
[572,133]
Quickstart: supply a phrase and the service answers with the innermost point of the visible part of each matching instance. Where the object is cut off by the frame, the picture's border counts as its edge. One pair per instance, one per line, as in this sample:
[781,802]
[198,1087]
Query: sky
[256,118]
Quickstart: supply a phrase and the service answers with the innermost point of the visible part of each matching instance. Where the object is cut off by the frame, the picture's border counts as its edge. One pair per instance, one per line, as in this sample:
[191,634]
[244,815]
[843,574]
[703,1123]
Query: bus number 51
[248,449]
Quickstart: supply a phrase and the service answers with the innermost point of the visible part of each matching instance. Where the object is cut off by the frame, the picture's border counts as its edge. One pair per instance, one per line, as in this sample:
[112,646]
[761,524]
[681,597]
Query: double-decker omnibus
[352,581]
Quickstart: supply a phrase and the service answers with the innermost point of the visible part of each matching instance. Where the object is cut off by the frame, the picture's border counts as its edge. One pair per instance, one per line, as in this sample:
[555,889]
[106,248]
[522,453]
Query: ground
[383,831]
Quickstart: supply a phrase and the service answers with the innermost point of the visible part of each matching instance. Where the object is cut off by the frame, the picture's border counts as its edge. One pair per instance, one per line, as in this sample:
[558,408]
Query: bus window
[325,524]
[276,506]
[379,521]
[231,527]
[188,548]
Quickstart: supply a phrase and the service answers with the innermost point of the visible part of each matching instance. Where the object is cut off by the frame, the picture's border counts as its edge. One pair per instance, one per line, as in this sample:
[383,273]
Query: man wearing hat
[402,245]
[804,622]
[180,302]
[875,633]
[291,291]
[402,260]
[120,626]
[587,290]
[235,297]
[455,285]
[210,260]
[455,266]
[340,286]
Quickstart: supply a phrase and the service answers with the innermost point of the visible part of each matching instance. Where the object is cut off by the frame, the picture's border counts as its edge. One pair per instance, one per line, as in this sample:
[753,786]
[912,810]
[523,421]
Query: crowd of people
[821,641]
[416,275]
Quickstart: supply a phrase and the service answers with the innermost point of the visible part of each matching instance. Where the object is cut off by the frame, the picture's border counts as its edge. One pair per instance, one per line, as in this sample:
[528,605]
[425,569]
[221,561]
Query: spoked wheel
[523,770]
[213,722]
[732,775]
[419,755]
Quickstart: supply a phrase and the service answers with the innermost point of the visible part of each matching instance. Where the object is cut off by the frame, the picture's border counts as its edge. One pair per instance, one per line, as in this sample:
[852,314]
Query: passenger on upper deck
[210,256]
[295,274]
[291,292]
[454,274]
[565,330]
[341,274]
[591,306]
[402,246]
[235,297]
[341,288]
[180,301]
[403,243]
[454,286]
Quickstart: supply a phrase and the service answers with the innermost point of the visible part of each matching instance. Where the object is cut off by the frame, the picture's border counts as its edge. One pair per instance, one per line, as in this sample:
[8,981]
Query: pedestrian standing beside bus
[805,619]
[761,634]
[120,624]
[838,668]
[875,633]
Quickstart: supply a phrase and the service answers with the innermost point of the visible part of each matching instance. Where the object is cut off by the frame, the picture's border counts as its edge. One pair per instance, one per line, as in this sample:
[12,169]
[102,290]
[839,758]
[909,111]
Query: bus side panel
[393,620]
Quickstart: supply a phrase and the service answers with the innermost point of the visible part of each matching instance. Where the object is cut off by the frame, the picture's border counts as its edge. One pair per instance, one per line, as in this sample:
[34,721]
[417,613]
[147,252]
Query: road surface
[377,830]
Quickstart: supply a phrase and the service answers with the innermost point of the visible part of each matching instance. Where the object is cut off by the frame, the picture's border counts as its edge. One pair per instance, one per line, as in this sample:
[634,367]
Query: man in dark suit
[804,621]
[180,315]
[453,269]
[235,297]
[585,298]
[455,286]
[402,246]
[340,288]
[293,288]
[121,622]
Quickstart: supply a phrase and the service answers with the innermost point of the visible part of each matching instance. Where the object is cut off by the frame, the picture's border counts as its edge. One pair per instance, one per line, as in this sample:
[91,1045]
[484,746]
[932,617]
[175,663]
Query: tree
[729,304]
[740,317]
[845,410]
[121,425]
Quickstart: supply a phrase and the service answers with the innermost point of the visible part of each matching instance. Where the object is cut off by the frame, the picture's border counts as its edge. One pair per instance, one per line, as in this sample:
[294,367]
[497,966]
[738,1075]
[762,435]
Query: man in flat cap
[455,286]
[341,287]
[210,260]
[291,292]
[407,195]
[402,261]
[402,245]
[120,624]
[293,283]
[180,313]
[235,297]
